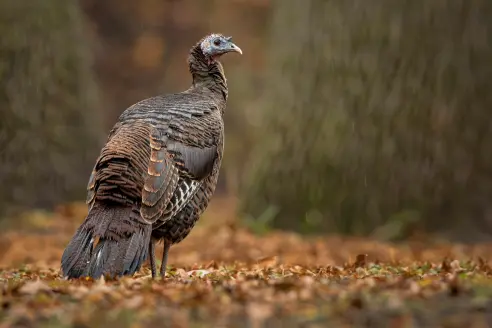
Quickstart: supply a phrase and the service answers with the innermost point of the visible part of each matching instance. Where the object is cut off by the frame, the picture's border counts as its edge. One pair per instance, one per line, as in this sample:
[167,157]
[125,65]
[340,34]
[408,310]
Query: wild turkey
[156,173]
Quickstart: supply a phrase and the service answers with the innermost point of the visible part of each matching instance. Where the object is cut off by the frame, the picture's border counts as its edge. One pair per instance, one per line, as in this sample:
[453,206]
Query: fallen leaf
[34,287]
[198,273]
[360,260]
[267,262]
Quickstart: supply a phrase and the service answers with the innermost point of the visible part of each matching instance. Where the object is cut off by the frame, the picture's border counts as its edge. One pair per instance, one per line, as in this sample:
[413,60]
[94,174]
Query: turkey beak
[234,48]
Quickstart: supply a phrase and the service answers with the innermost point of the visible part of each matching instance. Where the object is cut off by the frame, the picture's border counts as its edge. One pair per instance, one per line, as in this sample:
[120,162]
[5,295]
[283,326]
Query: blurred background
[345,117]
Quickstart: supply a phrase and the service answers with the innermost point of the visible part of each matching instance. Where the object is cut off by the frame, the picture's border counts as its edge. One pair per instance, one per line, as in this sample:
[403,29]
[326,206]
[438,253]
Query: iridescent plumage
[156,173]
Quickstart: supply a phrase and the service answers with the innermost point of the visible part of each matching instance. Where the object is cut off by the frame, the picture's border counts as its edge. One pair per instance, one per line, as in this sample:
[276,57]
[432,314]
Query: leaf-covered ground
[223,276]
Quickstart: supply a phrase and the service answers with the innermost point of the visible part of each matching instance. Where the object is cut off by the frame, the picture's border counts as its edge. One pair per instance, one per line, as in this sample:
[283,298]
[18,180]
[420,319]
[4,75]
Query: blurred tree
[49,122]
[378,113]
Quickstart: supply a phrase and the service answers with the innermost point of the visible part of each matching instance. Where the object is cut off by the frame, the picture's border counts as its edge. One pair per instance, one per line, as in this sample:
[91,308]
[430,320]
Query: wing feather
[161,179]
[197,162]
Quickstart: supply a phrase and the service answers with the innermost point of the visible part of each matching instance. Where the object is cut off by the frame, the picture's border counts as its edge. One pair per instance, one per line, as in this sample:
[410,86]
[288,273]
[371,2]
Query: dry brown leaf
[134,302]
[227,286]
[360,260]
[267,262]
[34,287]
[258,312]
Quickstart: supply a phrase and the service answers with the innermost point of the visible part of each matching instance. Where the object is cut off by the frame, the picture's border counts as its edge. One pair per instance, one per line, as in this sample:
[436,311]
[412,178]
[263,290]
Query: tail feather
[121,250]
[137,254]
[77,254]
[119,257]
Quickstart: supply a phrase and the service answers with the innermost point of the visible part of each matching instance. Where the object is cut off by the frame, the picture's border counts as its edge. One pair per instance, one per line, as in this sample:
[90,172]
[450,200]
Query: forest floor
[224,276]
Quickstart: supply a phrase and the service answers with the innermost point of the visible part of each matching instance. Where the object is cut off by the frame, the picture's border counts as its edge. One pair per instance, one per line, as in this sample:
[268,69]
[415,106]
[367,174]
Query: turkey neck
[210,76]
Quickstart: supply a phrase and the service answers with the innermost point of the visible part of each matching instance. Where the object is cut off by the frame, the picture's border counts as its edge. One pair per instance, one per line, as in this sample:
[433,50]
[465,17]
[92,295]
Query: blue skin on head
[216,45]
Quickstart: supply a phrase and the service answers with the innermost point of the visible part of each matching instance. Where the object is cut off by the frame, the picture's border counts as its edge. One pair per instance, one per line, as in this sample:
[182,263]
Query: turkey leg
[167,245]
[152,258]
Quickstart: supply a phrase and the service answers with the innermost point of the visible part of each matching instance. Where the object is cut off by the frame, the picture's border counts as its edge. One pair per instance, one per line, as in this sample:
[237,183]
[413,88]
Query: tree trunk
[379,111]
[49,122]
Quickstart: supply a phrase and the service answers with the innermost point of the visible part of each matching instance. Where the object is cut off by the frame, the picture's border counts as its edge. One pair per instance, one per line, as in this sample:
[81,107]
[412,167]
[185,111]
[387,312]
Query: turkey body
[154,177]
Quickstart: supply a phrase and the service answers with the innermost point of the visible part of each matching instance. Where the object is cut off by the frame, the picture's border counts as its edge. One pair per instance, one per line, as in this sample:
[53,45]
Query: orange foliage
[230,276]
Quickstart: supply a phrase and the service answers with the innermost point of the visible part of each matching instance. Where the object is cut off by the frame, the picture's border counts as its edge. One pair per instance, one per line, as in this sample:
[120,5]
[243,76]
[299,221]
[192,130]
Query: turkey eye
[217,42]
